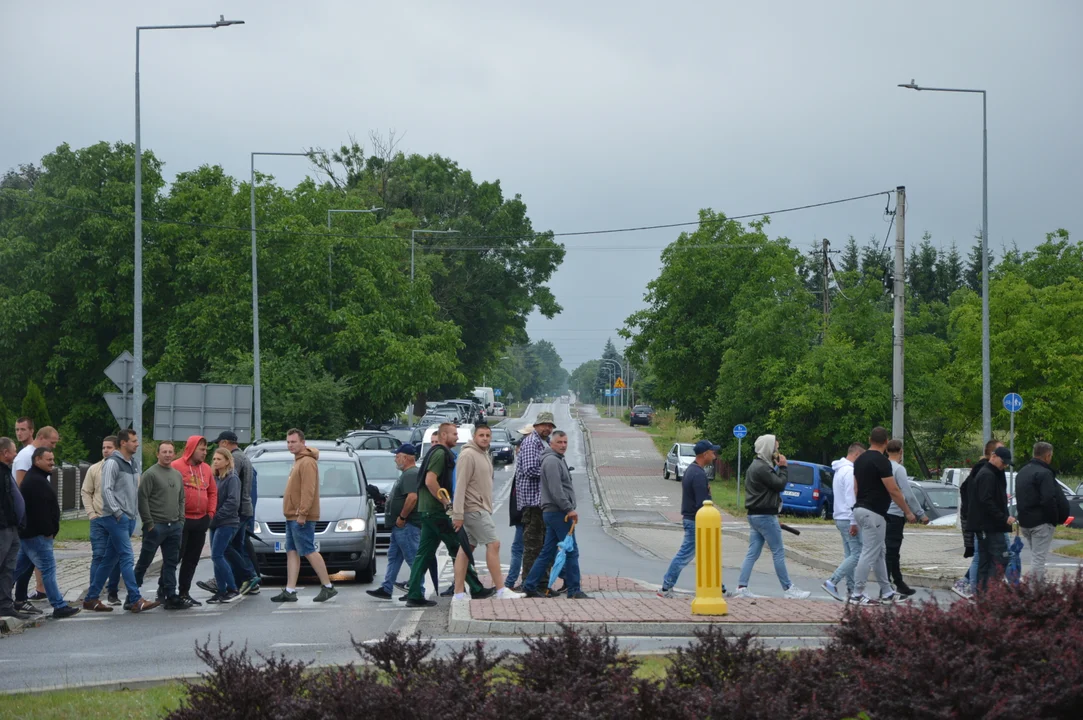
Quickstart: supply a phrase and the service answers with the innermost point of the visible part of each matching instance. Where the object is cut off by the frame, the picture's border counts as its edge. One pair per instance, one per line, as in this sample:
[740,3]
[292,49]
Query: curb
[461,621]
[139,684]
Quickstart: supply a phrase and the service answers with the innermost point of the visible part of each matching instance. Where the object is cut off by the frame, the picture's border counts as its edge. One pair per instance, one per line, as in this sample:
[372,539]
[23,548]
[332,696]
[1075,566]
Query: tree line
[346,336]
[735,332]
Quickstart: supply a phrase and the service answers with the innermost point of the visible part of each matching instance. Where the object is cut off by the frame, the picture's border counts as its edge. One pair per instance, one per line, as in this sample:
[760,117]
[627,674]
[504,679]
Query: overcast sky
[601,114]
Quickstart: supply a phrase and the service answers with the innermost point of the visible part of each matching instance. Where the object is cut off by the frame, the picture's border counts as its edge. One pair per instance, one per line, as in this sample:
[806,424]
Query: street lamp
[620,369]
[330,289]
[986,391]
[137,329]
[414,234]
[257,406]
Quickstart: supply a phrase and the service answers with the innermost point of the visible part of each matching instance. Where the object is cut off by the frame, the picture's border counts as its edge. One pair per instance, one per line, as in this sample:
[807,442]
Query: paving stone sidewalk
[623,606]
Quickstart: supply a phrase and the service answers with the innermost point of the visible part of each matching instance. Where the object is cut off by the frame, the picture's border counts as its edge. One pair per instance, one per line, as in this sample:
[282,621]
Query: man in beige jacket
[91,492]
[472,508]
[301,506]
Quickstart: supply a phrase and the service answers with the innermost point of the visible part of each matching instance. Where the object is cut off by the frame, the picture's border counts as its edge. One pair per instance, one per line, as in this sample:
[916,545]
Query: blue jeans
[556,529]
[685,554]
[118,551]
[223,555]
[38,552]
[994,556]
[851,551]
[516,567]
[403,548]
[972,573]
[99,538]
[241,564]
[764,529]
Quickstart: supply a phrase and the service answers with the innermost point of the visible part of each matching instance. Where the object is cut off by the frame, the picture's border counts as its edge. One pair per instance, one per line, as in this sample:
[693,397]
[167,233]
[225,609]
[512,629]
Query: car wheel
[665,471]
[367,573]
[677,474]
[825,511]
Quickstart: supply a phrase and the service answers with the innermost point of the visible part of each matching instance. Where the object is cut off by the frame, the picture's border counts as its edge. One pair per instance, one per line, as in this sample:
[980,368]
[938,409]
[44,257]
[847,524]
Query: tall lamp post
[986,390]
[257,406]
[137,329]
[619,369]
[330,289]
[413,241]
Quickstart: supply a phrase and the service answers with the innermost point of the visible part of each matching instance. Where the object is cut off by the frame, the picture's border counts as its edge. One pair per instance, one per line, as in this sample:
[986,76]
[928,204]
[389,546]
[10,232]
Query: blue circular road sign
[739,431]
[1013,403]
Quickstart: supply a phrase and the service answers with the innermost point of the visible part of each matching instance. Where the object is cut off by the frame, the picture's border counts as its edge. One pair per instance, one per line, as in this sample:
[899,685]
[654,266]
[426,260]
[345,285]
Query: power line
[14,195]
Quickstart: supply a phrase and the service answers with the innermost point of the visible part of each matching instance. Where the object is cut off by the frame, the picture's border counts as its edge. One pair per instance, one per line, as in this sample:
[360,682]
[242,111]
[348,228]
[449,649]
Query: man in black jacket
[988,518]
[1041,505]
[966,586]
[12,517]
[42,525]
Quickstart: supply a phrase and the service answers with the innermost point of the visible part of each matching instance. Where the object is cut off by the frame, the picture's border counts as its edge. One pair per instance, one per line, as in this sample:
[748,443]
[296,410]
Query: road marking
[88,618]
[296,612]
[284,645]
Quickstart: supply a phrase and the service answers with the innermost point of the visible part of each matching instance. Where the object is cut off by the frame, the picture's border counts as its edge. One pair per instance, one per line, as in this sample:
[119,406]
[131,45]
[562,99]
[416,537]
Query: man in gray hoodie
[120,507]
[558,512]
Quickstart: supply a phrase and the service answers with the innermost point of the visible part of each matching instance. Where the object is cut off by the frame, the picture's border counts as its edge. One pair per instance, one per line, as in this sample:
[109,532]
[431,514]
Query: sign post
[1013,403]
[739,431]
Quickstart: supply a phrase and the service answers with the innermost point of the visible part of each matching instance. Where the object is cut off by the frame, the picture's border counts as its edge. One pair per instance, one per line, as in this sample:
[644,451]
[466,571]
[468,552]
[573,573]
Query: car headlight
[257,530]
[353,525]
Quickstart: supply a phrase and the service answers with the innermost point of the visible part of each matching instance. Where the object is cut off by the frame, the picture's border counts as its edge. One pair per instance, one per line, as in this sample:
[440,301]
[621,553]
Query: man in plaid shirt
[528,490]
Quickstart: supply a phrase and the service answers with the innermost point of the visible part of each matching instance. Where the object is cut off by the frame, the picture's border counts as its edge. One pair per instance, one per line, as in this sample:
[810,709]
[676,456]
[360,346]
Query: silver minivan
[346,530]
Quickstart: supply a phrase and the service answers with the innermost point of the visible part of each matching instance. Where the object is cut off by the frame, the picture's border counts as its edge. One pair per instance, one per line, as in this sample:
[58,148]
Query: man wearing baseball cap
[694,491]
[988,516]
[528,490]
[405,523]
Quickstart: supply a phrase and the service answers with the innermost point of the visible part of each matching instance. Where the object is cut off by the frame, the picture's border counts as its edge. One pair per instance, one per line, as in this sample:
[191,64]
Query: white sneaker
[831,589]
[795,593]
[460,596]
[506,593]
[742,592]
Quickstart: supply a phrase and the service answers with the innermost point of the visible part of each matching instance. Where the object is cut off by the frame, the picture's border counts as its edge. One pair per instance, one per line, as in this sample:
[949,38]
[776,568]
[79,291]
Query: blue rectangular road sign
[497,392]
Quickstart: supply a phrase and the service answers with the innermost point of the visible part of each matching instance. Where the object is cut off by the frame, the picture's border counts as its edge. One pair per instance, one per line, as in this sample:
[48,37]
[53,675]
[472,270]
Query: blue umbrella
[564,547]
[1013,573]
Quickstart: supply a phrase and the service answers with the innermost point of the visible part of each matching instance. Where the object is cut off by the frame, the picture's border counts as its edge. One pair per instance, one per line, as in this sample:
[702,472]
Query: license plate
[280,546]
[787,493]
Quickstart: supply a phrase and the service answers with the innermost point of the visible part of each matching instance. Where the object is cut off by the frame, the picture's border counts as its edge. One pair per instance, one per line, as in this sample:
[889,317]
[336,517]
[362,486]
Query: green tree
[583,379]
[7,420]
[972,276]
[34,406]
[851,256]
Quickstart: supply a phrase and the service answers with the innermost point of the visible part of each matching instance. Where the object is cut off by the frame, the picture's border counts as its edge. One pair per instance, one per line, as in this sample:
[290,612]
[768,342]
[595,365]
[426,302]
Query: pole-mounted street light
[986,390]
[137,329]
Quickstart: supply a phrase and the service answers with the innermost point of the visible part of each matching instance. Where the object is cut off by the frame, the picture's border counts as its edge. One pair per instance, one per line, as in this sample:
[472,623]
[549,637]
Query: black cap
[1004,454]
[226,435]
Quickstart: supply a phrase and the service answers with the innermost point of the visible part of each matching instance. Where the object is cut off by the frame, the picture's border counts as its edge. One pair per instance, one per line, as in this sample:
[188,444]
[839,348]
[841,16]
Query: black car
[502,450]
[641,415]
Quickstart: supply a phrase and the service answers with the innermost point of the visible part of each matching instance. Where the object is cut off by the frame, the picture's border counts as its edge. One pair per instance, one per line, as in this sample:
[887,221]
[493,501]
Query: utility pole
[897,428]
[826,278]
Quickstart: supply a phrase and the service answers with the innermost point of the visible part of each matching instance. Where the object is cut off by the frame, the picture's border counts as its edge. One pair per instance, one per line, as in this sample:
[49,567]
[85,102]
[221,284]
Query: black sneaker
[420,603]
[175,603]
[127,604]
[113,599]
[905,590]
[285,596]
[402,586]
[404,598]
[449,592]
[36,596]
[579,596]
[533,593]
[190,601]
[13,613]
[483,593]
[218,599]
[65,612]
[26,607]
[379,593]
[209,585]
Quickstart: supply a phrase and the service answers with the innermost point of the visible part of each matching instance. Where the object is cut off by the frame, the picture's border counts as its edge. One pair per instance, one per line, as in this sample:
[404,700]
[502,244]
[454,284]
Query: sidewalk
[73,577]
[625,607]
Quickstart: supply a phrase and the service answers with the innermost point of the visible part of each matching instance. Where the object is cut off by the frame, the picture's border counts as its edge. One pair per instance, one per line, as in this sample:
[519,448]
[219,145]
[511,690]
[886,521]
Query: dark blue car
[808,490]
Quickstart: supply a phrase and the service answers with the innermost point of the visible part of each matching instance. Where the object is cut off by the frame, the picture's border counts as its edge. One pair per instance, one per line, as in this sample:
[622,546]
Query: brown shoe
[144,604]
[96,605]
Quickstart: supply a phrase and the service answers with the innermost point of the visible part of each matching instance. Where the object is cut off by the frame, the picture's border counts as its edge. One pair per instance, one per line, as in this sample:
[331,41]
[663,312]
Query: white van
[466,434]
[487,397]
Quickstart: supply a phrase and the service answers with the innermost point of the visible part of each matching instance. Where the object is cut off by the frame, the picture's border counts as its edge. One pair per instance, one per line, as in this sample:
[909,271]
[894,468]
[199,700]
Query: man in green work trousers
[436,526]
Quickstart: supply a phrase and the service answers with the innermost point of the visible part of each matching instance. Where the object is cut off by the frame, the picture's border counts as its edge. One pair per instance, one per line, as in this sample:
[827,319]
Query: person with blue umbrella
[559,515]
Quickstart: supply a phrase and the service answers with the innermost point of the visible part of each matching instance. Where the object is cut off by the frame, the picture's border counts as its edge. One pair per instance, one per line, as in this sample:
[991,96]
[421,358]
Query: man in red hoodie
[200,501]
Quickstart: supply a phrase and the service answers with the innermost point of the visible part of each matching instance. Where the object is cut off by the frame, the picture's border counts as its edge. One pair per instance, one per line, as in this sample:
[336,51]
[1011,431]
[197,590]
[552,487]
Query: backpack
[446,478]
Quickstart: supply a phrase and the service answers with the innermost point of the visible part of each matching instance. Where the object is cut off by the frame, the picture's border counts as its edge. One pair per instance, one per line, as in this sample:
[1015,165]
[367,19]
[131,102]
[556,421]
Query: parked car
[381,472]
[936,498]
[679,457]
[456,413]
[473,410]
[499,410]
[466,434]
[371,440]
[259,447]
[808,489]
[641,415]
[502,450]
[434,418]
[346,530]
[402,433]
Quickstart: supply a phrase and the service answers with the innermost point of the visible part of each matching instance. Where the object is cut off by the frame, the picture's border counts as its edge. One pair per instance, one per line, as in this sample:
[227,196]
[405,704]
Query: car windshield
[642,408]
[946,498]
[501,435]
[338,478]
[401,434]
[800,474]
[688,451]
[378,467]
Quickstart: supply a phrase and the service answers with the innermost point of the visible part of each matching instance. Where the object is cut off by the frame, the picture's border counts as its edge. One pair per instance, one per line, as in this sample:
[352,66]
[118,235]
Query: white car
[499,410]
[679,457]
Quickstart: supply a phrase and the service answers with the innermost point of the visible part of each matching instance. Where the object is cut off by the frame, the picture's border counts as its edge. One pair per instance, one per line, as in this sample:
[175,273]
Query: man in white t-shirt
[47,437]
[843,513]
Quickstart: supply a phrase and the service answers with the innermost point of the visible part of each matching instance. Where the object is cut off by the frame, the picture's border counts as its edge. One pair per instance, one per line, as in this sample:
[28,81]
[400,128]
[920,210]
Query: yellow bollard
[709,600]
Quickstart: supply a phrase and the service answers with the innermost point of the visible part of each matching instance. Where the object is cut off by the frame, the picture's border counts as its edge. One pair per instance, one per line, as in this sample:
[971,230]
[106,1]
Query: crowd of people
[872,504]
